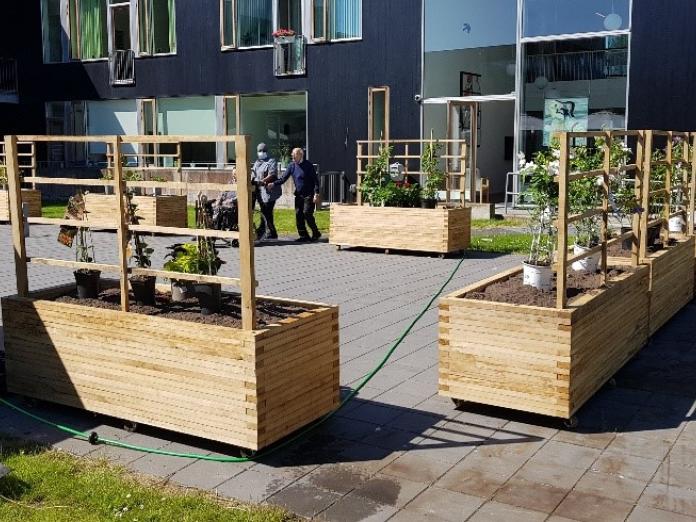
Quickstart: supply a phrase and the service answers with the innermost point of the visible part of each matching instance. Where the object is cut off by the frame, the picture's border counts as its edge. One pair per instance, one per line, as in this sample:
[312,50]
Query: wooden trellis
[408,152]
[246,282]
[566,176]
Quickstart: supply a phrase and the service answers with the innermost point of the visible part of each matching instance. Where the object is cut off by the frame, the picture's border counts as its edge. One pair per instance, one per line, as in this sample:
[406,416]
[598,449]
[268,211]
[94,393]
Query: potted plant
[198,258]
[434,176]
[86,280]
[284,36]
[542,195]
[375,184]
[181,256]
[143,286]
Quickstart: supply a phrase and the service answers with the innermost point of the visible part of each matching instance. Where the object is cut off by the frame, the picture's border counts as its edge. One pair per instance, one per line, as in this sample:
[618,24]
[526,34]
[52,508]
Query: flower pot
[87,283]
[428,203]
[676,224]
[588,264]
[537,276]
[181,291]
[653,235]
[144,289]
[209,297]
[284,39]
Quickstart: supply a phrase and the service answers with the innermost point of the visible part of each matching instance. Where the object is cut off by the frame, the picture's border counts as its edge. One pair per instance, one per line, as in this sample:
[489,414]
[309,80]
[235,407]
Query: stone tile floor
[400,452]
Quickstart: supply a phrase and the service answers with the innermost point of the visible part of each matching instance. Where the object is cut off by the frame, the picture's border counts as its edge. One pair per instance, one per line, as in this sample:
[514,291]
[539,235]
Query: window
[192,116]
[52,31]
[343,18]
[290,15]
[554,17]
[88,36]
[247,23]
[157,20]
[119,21]
[378,114]
[231,124]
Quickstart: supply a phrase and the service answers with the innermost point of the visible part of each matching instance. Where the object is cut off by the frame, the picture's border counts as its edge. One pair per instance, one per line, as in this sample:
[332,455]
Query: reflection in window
[247,23]
[572,85]
[345,19]
[551,17]
[157,26]
[52,31]
[88,36]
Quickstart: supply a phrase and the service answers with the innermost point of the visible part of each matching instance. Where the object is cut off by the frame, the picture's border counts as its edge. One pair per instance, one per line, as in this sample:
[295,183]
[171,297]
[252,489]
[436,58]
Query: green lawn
[284,218]
[47,486]
[498,223]
[502,244]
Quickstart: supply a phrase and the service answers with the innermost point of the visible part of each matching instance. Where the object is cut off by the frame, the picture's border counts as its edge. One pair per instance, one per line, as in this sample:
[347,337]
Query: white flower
[556,153]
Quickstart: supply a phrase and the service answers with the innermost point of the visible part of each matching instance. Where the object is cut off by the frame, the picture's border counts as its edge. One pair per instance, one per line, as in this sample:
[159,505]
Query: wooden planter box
[160,211]
[246,388]
[540,360]
[29,196]
[439,230]
[671,281]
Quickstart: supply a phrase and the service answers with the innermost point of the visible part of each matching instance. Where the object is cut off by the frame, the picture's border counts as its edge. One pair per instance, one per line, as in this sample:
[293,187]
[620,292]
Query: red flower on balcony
[280,33]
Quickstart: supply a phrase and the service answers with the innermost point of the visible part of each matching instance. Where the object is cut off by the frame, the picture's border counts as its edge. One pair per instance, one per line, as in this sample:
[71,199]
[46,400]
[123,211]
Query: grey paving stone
[253,486]
[647,514]
[357,509]
[530,495]
[590,508]
[207,475]
[475,482]
[390,490]
[339,478]
[629,466]
[549,473]
[445,504]
[640,446]
[611,486]
[303,499]
[563,454]
[409,466]
[674,474]
[670,498]
[496,512]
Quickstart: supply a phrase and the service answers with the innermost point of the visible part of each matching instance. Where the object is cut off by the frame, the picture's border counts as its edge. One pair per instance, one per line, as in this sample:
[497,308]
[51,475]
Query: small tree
[430,166]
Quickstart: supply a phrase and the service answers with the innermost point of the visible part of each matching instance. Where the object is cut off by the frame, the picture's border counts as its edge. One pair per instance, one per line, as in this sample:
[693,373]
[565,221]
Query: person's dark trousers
[304,212]
[267,227]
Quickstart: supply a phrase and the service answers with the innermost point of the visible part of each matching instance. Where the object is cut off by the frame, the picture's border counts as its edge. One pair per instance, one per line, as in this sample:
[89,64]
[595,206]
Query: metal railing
[334,187]
[8,80]
[289,56]
[122,67]
[583,65]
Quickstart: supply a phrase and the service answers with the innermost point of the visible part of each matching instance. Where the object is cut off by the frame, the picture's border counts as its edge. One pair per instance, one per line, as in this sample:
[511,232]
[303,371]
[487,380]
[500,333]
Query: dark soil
[267,312]
[617,250]
[514,292]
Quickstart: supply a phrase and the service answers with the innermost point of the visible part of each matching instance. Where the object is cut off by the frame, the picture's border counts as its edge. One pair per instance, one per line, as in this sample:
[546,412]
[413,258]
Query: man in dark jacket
[306,191]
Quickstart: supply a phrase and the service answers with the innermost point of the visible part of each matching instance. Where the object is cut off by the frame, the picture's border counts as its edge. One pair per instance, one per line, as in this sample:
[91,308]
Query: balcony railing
[122,67]
[289,57]
[584,65]
[8,81]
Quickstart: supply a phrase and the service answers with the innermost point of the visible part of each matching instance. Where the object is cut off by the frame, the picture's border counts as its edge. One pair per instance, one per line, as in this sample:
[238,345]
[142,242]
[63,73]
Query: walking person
[263,173]
[306,194]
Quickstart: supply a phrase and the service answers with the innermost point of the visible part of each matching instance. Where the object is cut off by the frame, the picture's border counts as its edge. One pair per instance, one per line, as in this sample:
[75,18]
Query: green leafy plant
[3,177]
[141,252]
[189,258]
[430,166]
[376,178]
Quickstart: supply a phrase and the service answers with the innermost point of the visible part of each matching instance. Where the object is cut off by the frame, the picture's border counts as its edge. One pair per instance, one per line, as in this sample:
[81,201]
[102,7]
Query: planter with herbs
[397,213]
[566,335]
[249,373]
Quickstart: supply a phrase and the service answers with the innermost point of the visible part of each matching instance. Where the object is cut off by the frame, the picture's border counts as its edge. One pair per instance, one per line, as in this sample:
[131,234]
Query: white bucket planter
[588,264]
[676,224]
[537,276]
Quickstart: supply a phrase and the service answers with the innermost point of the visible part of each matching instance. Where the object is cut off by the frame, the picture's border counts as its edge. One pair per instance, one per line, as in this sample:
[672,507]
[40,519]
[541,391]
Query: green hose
[95,439]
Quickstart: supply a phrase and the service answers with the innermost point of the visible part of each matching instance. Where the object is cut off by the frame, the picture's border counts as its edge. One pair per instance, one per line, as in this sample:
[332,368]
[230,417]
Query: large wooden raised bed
[247,388]
[541,360]
[29,196]
[440,230]
[160,211]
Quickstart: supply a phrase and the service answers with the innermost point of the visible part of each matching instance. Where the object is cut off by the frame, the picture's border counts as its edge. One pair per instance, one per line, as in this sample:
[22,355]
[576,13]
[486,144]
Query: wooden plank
[183,185]
[246,235]
[196,278]
[562,266]
[84,182]
[75,265]
[73,223]
[16,216]
[29,196]
[176,231]
[121,221]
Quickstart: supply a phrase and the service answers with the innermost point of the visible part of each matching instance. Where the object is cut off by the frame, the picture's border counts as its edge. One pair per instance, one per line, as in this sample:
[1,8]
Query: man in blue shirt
[306,191]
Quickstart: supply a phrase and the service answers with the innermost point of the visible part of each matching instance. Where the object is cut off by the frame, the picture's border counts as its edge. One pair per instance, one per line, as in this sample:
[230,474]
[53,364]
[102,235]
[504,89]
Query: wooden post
[359,176]
[638,191]
[562,266]
[462,177]
[474,151]
[667,207]
[246,235]
[122,231]
[692,184]
[605,204]
[645,196]
[14,183]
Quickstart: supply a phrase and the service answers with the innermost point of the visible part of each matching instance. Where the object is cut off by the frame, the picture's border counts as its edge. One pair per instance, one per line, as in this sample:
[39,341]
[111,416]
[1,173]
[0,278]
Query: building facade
[517,70]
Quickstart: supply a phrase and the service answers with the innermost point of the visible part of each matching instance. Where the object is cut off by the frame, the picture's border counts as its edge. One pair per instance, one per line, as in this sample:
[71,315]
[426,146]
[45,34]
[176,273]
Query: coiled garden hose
[95,439]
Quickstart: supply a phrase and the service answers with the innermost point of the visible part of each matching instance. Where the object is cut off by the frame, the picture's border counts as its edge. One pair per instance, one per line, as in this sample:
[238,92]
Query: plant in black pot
[434,176]
[143,286]
[87,280]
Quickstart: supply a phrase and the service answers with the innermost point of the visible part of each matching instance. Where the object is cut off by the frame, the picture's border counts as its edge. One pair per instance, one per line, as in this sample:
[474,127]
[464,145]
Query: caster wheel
[247,453]
[441,256]
[612,383]
[30,402]
[458,403]
[571,423]
[339,247]
[386,251]
[130,427]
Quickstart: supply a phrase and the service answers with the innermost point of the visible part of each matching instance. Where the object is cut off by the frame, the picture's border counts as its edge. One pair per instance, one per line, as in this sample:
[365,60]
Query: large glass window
[573,85]
[194,116]
[247,23]
[279,120]
[52,31]
[343,17]
[88,36]
[551,17]
[111,117]
[157,20]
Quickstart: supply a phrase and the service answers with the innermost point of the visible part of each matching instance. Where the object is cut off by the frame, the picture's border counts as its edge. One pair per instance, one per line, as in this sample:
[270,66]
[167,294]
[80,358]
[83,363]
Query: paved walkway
[402,453]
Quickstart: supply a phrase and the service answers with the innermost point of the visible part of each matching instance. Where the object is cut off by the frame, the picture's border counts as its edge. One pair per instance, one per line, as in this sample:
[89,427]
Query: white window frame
[328,5]
[109,23]
[234,46]
[135,33]
[70,36]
